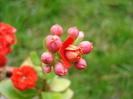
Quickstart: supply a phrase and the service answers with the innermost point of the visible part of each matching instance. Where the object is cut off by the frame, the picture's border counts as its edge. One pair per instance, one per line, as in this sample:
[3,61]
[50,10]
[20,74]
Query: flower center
[23,78]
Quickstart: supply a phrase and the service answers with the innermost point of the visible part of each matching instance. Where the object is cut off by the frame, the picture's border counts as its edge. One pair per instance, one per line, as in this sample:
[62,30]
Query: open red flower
[61,51]
[7,29]
[4,47]
[73,53]
[3,59]
[7,37]
[24,78]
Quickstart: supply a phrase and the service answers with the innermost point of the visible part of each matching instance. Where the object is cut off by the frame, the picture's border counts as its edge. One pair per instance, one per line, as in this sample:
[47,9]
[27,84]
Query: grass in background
[108,24]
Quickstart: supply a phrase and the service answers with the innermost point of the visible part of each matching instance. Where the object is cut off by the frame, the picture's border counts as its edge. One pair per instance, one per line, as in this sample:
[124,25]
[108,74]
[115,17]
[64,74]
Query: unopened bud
[53,43]
[47,58]
[79,38]
[80,64]
[47,69]
[60,70]
[73,53]
[86,47]
[81,34]
[73,31]
[56,30]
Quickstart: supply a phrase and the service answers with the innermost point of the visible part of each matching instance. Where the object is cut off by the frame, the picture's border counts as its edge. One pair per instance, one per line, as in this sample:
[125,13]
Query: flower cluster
[24,78]
[7,38]
[61,55]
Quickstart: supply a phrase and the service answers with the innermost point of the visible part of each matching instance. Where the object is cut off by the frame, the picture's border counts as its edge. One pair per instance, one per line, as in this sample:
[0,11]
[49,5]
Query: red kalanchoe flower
[5,49]
[7,37]
[10,39]
[7,29]
[73,53]
[24,78]
[68,42]
[3,59]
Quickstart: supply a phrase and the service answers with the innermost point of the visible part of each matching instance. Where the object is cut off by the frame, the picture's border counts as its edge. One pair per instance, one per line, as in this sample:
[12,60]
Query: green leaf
[50,75]
[7,90]
[51,95]
[39,71]
[35,58]
[29,92]
[51,79]
[60,84]
[68,94]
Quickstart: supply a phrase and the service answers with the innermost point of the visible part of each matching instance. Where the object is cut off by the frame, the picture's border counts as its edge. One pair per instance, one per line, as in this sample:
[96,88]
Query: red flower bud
[47,69]
[80,64]
[56,30]
[47,58]
[73,31]
[86,47]
[60,69]
[3,59]
[79,38]
[81,35]
[73,53]
[53,43]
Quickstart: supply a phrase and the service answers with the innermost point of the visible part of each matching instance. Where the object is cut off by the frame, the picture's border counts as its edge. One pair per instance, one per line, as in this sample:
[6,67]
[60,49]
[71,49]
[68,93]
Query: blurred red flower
[7,29]
[3,59]
[24,78]
[7,37]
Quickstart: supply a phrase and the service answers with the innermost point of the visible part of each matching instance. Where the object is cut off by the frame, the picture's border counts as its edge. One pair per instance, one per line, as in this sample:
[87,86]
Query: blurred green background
[106,23]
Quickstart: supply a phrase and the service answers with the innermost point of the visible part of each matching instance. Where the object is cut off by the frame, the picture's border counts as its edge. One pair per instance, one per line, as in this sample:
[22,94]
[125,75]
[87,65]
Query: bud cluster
[61,55]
